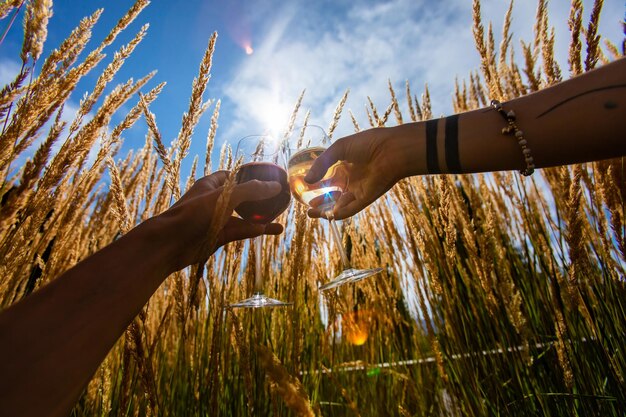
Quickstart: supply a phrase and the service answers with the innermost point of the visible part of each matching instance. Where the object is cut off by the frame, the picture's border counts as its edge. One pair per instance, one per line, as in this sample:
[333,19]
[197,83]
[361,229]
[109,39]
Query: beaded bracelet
[512,129]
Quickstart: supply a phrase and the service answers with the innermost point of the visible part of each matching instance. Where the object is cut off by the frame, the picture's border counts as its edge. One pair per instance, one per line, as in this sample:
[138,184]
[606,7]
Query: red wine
[264,211]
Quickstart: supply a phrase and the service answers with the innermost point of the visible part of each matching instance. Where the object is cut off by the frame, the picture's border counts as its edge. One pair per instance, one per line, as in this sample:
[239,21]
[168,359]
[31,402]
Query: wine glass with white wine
[305,145]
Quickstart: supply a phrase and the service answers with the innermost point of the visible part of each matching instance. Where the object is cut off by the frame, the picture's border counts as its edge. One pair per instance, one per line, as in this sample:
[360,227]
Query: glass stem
[258,276]
[334,230]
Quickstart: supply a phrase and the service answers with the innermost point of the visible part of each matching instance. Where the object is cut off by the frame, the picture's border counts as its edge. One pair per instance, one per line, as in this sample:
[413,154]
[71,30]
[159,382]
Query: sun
[273,113]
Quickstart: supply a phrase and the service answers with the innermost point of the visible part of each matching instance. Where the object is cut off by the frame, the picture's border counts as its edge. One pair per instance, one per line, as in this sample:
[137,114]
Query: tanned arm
[52,342]
[579,120]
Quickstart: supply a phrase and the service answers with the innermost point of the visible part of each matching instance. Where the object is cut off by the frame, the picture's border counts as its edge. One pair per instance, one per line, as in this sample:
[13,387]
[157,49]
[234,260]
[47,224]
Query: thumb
[328,158]
[238,229]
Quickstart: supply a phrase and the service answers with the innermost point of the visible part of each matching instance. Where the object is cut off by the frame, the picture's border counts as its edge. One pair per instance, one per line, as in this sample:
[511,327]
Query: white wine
[322,194]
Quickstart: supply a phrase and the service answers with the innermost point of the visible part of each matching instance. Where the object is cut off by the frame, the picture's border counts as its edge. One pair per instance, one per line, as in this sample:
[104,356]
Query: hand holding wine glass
[184,226]
[374,161]
[323,189]
[261,163]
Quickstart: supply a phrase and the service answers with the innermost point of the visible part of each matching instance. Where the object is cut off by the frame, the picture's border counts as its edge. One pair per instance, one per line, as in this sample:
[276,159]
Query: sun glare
[249,50]
[273,114]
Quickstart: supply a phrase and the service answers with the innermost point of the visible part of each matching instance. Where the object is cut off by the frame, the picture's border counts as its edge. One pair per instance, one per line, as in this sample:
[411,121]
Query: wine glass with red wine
[305,145]
[263,162]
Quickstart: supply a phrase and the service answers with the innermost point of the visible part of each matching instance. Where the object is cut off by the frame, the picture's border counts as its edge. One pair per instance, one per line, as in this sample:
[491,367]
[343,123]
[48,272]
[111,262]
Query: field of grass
[501,295]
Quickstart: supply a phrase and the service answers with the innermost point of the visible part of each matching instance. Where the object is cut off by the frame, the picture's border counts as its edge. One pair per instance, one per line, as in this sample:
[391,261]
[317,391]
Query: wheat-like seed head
[394,103]
[592,37]
[357,128]
[337,114]
[7,6]
[375,121]
[211,138]
[107,75]
[35,28]
[425,108]
[383,120]
[121,207]
[123,23]
[409,100]
[505,43]
[292,118]
[370,119]
[575,26]
[196,106]
[160,148]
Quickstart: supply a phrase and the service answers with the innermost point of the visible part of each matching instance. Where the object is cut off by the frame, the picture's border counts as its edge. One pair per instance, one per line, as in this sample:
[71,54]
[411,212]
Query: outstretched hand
[377,159]
[187,223]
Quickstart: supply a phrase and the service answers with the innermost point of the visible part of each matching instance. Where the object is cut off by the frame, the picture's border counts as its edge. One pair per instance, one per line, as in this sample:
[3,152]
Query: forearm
[581,119]
[54,340]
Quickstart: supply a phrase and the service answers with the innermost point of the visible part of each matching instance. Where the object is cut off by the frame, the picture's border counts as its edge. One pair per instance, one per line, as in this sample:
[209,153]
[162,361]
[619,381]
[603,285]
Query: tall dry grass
[518,284]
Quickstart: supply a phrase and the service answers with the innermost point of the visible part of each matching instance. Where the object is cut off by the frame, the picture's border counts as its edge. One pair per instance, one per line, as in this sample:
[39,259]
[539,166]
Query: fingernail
[309,177]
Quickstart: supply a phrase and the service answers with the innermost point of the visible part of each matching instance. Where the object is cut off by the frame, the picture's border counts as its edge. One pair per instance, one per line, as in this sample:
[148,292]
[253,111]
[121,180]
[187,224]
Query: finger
[334,153]
[326,199]
[273,229]
[345,199]
[314,213]
[214,180]
[339,212]
[204,184]
[351,206]
[349,209]
[254,190]
[238,229]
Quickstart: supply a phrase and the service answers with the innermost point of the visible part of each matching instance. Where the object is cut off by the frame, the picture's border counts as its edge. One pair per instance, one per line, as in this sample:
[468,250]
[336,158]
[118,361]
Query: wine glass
[261,162]
[302,149]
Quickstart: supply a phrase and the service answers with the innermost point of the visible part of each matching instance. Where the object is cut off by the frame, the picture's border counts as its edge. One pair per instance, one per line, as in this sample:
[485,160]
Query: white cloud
[360,48]
[396,40]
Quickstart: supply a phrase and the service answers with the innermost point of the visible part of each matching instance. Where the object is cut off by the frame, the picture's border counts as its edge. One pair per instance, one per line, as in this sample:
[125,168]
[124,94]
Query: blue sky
[322,46]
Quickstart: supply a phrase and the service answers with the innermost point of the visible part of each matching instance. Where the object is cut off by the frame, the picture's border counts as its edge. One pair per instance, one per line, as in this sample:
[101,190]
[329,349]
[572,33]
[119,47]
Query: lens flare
[357,334]
[248,50]
[356,326]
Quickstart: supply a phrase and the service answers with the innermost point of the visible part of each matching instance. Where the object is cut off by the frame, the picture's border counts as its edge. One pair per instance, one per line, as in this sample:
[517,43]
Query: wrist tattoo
[432,162]
[452,144]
